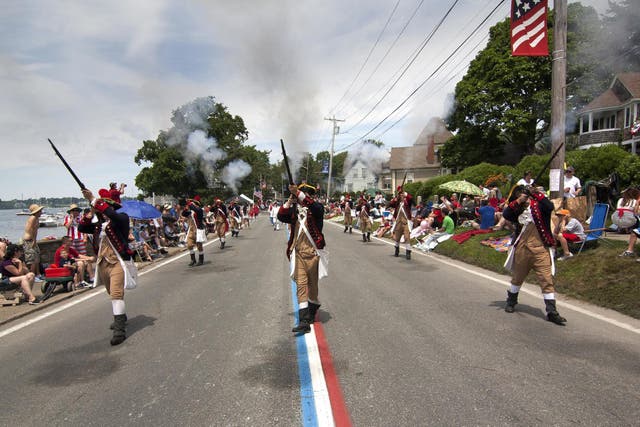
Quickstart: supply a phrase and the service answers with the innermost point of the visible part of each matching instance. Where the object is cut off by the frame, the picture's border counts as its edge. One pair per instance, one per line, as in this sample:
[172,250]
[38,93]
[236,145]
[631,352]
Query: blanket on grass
[500,244]
[466,235]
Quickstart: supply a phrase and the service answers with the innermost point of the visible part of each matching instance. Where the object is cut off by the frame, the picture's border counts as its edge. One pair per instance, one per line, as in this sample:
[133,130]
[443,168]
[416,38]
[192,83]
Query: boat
[48,220]
[24,212]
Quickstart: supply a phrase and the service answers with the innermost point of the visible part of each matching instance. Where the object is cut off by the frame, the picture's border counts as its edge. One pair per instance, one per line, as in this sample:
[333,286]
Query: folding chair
[596,226]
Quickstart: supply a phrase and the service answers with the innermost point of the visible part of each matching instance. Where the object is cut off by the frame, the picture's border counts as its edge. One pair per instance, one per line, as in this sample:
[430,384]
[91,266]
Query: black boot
[364,237]
[200,259]
[221,244]
[303,322]
[313,309]
[350,230]
[368,237]
[397,253]
[552,313]
[346,227]
[512,300]
[193,260]
[119,325]
[408,254]
[113,325]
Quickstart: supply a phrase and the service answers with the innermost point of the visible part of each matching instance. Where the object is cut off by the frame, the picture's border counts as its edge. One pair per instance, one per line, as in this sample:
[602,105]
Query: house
[609,117]
[420,161]
[359,178]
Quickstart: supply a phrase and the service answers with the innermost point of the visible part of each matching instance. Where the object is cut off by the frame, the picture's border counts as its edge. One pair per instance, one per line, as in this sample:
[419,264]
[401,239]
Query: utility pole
[336,129]
[558,97]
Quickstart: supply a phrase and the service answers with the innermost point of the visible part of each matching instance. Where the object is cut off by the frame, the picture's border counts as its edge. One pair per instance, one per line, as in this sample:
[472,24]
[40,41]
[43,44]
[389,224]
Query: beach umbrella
[462,187]
[137,209]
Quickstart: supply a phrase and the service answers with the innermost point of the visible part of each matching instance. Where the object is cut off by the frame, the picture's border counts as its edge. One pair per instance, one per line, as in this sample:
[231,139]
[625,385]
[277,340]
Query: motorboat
[24,212]
[48,220]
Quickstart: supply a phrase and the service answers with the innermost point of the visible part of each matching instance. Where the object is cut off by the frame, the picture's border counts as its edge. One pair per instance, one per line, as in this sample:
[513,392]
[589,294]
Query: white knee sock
[514,289]
[117,305]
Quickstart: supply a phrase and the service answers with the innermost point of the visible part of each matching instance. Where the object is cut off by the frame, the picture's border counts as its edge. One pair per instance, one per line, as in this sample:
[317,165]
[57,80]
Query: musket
[555,153]
[286,162]
[82,187]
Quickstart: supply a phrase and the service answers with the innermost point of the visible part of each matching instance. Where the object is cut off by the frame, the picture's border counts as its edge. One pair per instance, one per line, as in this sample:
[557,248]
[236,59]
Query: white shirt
[573,184]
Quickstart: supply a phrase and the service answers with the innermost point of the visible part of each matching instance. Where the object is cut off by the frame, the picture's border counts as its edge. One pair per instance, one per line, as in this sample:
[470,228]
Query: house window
[627,117]
[355,173]
[349,188]
[585,124]
[409,177]
[364,172]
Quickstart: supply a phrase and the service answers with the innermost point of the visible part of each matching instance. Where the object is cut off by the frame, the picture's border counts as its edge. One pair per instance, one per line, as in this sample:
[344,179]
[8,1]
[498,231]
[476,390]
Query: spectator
[82,262]
[487,216]
[3,246]
[170,234]
[568,230]
[526,179]
[115,193]
[626,216]
[440,235]
[30,241]
[273,215]
[16,274]
[71,221]
[572,186]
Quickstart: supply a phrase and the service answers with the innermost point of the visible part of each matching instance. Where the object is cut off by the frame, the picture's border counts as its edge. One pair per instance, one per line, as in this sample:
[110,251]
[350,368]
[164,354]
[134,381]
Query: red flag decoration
[529,28]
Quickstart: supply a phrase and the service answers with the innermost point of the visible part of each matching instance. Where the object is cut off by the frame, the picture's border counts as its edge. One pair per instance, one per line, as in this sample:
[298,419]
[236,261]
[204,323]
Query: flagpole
[558,95]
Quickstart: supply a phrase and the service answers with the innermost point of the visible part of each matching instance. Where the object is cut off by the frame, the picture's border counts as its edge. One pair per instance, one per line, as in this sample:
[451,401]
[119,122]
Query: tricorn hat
[106,196]
[307,188]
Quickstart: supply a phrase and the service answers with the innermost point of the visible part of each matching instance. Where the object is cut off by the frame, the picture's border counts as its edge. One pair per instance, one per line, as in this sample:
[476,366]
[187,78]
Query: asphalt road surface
[420,342]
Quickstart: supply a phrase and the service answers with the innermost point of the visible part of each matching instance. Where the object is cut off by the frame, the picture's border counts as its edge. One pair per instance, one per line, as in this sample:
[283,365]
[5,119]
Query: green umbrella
[462,187]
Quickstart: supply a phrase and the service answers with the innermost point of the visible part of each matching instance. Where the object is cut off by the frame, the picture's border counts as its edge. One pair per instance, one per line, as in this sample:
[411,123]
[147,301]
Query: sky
[98,78]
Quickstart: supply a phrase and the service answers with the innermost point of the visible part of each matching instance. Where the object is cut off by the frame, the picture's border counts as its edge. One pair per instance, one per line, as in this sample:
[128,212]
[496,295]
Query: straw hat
[73,207]
[34,209]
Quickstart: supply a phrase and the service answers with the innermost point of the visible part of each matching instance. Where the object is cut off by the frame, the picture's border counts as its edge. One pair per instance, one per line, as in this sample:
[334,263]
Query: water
[12,225]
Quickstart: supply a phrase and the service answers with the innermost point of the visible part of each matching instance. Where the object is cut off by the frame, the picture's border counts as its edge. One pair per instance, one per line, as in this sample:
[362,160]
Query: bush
[596,163]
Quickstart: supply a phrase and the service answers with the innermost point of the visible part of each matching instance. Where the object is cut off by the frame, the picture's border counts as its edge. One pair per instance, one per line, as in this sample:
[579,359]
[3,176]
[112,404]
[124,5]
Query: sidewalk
[10,313]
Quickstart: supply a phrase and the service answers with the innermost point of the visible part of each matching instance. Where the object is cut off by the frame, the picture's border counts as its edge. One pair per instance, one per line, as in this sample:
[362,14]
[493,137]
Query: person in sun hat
[532,248]
[30,240]
[567,230]
[305,250]
[70,222]
[114,265]
[401,205]
[193,215]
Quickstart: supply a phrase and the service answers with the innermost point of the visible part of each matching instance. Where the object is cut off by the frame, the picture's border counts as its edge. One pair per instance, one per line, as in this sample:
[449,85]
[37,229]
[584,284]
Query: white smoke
[234,172]
[204,151]
[372,156]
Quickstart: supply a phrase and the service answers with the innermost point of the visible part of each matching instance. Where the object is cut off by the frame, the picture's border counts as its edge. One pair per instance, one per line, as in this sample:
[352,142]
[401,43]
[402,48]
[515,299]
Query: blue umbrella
[139,210]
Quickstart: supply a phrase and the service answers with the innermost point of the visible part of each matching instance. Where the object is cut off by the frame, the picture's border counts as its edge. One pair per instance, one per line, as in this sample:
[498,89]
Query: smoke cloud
[372,156]
[234,172]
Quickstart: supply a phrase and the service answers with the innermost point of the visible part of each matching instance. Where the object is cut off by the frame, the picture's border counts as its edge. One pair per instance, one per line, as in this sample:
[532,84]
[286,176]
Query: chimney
[431,152]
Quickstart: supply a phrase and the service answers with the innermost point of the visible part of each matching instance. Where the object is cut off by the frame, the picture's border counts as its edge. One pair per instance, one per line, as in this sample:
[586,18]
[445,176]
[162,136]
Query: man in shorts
[29,240]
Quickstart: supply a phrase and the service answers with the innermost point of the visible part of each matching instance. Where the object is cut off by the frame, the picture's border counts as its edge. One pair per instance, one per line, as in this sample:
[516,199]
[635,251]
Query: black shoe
[193,261]
[35,301]
[397,253]
[350,230]
[408,255]
[313,309]
[303,321]
[555,317]
[364,237]
[221,245]
[200,260]
[368,237]
[113,325]
[302,328]
[512,300]
[345,229]
[119,325]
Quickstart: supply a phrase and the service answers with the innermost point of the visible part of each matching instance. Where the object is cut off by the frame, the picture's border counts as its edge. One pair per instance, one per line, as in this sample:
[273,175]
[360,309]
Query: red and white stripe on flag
[529,28]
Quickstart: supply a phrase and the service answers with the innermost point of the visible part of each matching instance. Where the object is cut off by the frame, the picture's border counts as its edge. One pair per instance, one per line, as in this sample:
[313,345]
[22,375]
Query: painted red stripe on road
[338,407]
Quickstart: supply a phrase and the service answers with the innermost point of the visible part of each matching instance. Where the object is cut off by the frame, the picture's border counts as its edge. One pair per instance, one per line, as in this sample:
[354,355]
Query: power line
[415,11]
[368,56]
[429,77]
[423,45]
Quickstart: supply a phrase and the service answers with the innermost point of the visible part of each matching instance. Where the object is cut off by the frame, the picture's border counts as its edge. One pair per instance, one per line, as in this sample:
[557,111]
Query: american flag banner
[257,194]
[529,28]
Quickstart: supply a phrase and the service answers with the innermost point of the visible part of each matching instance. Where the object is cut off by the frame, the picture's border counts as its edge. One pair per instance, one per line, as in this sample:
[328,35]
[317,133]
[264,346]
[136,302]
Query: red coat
[407,204]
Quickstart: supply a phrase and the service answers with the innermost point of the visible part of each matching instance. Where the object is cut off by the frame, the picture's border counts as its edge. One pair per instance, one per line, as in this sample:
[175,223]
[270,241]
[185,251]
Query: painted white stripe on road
[320,392]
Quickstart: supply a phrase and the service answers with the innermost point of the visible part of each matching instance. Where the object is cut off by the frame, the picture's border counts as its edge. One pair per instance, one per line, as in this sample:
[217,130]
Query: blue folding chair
[596,226]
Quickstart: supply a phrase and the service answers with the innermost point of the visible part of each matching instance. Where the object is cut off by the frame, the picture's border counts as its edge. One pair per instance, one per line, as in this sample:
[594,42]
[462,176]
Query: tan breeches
[365,225]
[305,275]
[539,260]
[348,219]
[112,277]
[402,229]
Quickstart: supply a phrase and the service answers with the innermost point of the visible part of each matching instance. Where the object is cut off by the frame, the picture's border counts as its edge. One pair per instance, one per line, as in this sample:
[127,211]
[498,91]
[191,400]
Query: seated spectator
[568,230]
[3,246]
[137,243]
[83,263]
[16,274]
[487,216]
[384,227]
[440,235]
[170,234]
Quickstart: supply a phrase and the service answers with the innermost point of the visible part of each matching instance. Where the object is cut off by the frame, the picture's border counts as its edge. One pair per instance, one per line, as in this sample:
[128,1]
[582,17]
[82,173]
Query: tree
[502,99]
[189,157]
[623,36]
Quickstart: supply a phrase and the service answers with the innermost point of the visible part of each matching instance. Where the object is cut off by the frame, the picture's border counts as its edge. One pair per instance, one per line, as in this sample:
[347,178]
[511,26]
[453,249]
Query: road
[420,342]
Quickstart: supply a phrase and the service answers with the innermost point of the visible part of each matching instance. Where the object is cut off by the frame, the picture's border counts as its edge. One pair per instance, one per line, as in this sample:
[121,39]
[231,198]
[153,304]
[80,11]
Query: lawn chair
[596,226]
